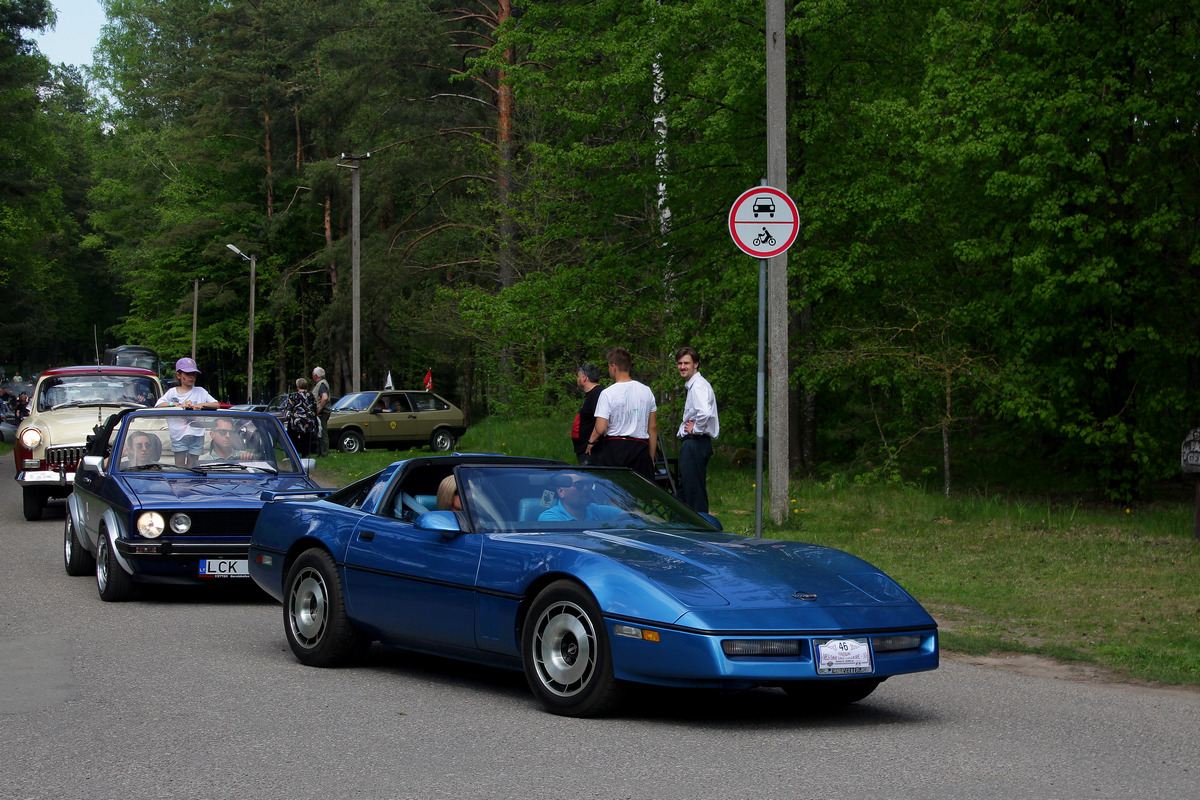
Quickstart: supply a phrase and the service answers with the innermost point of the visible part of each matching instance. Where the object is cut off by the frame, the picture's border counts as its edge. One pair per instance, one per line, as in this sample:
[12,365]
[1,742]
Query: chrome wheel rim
[564,649]
[102,563]
[68,540]
[308,607]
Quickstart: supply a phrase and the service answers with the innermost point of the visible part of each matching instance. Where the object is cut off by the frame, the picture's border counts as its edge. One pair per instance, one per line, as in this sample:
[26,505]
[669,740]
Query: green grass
[1117,588]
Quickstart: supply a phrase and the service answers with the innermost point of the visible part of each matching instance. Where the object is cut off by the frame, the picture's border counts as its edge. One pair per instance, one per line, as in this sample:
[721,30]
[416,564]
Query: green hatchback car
[395,417]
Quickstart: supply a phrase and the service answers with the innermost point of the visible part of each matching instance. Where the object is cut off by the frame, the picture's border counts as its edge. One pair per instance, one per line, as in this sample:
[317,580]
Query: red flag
[429,380]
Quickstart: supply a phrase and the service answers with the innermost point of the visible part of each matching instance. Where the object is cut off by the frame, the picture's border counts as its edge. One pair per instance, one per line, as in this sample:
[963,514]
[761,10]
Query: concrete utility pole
[195,312]
[777,294]
[355,253]
[250,355]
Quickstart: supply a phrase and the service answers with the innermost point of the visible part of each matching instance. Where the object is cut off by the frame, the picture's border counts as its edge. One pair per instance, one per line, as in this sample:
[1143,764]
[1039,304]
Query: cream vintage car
[67,406]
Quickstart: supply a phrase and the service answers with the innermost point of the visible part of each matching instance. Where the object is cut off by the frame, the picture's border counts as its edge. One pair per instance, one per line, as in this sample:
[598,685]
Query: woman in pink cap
[187,440]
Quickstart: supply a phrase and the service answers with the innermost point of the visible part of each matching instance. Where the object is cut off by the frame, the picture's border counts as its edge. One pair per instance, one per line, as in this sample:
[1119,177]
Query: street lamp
[250,357]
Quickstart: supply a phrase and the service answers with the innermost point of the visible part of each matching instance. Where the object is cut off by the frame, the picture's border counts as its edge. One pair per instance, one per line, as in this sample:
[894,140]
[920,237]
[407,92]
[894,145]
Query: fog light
[761,647]
[180,523]
[150,524]
[886,644]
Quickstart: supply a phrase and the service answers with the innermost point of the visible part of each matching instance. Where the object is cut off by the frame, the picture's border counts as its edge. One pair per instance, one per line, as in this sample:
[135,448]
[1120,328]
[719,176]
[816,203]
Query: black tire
[826,695]
[441,441]
[76,559]
[34,501]
[350,442]
[113,583]
[564,647]
[318,629]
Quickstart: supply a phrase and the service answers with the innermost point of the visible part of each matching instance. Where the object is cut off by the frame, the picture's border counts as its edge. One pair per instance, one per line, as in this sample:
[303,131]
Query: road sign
[764,222]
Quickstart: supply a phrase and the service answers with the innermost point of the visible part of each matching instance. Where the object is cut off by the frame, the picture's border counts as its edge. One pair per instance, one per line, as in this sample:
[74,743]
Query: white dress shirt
[700,406]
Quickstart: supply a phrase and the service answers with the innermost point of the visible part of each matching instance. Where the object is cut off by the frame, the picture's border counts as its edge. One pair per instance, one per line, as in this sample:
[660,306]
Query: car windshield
[68,390]
[228,442]
[569,498]
[359,401]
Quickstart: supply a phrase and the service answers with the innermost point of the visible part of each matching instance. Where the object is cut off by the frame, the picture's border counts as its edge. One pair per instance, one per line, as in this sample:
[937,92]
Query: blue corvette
[141,513]
[585,578]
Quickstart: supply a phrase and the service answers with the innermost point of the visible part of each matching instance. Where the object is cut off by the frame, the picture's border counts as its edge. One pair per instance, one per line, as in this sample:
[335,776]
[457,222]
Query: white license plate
[223,568]
[843,657]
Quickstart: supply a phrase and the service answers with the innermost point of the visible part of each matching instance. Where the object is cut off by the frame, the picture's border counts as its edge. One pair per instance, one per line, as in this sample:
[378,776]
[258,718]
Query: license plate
[843,657]
[223,568]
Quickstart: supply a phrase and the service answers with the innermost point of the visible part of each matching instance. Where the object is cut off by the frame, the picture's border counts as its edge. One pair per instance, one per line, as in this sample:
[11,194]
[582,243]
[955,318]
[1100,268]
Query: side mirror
[711,520]
[309,464]
[92,464]
[446,522]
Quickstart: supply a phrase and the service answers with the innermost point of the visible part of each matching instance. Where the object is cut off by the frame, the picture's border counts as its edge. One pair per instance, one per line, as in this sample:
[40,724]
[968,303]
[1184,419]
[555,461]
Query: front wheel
[441,441]
[76,559]
[34,501]
[113,583]
[318,629]
[565,651]
[350,442]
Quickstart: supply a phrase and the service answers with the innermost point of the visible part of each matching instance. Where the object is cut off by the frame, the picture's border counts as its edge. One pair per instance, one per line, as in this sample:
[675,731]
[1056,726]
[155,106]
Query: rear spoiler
[271,495]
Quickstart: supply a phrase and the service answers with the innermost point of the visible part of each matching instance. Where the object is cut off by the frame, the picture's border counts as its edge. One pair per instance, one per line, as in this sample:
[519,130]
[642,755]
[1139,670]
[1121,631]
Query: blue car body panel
[464,594]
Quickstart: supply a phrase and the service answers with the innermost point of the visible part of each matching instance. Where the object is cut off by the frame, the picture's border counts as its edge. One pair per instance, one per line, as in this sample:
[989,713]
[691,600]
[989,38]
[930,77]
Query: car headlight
[150,524]
[31,438]
[887,644]
[180,523]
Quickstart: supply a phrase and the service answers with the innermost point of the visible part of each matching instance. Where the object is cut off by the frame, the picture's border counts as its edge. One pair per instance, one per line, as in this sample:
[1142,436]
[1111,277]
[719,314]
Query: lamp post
[250,357]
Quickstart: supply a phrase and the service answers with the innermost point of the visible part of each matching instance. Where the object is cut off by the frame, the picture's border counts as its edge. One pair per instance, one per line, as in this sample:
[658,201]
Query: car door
[393,424]
[429,413]
[413,585]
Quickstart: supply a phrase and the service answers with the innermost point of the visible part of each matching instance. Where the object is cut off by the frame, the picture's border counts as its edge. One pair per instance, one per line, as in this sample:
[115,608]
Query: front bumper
[47,478]
[167,561]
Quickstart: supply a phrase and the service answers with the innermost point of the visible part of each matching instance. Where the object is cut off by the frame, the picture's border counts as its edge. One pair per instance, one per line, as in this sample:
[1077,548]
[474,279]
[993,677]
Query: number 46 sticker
[843,657]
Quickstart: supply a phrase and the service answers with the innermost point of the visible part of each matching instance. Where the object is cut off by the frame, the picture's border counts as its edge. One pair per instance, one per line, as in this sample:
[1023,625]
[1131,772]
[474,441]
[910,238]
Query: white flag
[388,384]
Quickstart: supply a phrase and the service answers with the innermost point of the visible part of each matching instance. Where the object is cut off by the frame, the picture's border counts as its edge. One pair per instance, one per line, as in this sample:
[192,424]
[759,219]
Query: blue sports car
[171,496]
[586,578]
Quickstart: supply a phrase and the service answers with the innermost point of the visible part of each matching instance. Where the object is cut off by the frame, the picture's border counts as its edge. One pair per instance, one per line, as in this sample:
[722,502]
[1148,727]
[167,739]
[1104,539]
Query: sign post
[763,222]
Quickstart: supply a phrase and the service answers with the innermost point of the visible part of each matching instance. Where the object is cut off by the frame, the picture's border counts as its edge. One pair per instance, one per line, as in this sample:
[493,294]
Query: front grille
[58,457]
[238,523]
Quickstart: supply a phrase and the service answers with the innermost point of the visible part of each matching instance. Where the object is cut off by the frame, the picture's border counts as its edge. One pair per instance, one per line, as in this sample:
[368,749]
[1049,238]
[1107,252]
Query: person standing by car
[300,415]
[699,427]
[320,393]
[626,420]
[187,440]
[587,378]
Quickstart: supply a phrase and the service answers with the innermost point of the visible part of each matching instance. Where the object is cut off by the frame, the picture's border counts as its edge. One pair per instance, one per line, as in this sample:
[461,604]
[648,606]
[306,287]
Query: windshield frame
[259,444]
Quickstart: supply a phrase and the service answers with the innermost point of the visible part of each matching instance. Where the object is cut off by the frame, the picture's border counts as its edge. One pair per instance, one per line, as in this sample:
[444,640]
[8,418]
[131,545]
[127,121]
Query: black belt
[696,436]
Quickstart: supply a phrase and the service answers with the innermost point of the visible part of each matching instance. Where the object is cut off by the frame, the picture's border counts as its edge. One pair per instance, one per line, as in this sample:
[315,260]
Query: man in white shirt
[626,421]
[699,427]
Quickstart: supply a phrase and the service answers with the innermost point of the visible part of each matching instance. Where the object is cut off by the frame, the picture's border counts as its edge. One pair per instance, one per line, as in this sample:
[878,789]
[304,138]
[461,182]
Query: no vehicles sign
[764,222]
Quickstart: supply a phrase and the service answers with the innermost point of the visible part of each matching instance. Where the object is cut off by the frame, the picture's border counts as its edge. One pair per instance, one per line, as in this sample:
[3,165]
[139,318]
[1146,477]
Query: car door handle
[366,536]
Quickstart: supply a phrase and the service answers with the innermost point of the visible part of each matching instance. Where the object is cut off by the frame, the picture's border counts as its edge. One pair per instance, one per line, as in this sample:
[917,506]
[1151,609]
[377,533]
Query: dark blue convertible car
[171,496]
[585,578]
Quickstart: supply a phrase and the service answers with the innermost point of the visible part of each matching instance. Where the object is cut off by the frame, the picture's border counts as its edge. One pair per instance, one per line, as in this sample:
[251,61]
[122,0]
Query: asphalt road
[187,694]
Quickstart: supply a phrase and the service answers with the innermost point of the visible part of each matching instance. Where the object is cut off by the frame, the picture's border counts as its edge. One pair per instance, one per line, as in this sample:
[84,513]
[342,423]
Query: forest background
[999,203]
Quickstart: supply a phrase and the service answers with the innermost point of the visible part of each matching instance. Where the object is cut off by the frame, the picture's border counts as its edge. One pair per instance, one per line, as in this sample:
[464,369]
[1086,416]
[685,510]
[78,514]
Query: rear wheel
[441,441]
[565,651]
[350,442]
[76,558]
[34,502]
[318,629]
[823,695]
[113,583]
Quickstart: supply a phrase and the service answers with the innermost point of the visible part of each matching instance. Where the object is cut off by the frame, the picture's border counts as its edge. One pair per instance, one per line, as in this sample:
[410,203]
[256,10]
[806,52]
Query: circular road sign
[763,222]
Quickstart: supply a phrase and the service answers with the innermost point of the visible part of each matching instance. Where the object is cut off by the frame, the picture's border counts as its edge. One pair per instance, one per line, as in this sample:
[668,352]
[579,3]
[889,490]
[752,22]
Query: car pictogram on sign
[764,205]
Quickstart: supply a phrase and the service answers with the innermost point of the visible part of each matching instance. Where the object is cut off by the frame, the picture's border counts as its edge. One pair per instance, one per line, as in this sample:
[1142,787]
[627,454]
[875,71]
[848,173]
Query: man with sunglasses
[575,501]
[224,443]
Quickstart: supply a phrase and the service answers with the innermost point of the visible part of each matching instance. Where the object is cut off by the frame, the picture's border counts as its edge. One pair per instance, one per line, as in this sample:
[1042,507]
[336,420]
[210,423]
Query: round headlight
[180,523]
[31,438]
[150,524]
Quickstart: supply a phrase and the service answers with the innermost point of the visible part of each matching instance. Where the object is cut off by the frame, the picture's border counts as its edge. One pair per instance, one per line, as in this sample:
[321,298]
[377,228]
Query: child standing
[187,438]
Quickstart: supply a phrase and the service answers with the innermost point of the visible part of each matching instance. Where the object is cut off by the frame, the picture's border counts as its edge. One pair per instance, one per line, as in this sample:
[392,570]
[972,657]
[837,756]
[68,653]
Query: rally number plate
[844,657]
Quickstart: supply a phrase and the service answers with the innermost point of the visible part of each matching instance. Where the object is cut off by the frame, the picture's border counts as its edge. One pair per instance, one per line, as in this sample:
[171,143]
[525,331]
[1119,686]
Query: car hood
[174,490]
[729,581]
[69,426]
